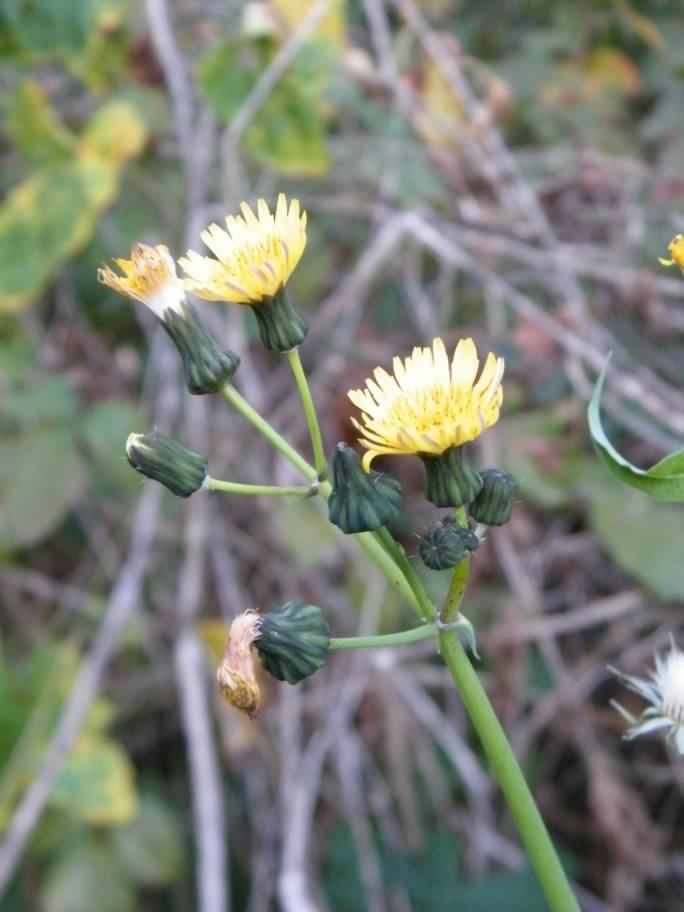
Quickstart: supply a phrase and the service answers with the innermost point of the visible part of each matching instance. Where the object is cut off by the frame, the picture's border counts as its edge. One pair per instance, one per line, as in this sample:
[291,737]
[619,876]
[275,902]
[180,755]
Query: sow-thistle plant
[431,407]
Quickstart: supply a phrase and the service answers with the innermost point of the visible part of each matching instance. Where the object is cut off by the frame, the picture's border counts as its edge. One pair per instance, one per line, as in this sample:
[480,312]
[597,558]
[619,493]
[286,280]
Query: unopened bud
[293,642]
[361,501]
[163,459]
[446,544]
[494,504]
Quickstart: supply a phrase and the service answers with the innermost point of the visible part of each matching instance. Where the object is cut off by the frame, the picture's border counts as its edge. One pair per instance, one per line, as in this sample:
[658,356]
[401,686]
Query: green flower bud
[361,501]
[446,544]
[280,326]
[494,504]
[165,460]
[207,367]
[293,642]
[450,481]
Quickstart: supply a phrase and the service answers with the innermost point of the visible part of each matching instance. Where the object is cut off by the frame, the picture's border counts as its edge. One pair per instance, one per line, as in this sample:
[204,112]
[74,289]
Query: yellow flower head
[254,257]
[676,248]
[429,405]
[149,276]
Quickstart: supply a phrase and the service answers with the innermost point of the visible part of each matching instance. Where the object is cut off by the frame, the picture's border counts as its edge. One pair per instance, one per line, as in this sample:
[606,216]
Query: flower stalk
[234,487]
[309,412]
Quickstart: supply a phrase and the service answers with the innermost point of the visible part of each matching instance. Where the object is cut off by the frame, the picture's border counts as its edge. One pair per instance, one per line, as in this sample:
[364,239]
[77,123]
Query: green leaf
[664,481]
[97,784]
[41,478]
[226,78]
[36,399]
[149,848]
[104,431]
[643,536]
[84,879]
[288,132]
[50,27]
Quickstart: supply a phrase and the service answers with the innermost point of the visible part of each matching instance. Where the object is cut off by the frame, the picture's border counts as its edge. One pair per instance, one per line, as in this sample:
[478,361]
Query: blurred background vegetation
[508,170]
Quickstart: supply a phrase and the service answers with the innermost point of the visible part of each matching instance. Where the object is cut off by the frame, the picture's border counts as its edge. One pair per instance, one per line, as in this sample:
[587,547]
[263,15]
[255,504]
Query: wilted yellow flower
[254,257]
[149,276]
[676,248]
[429,405]
[235,674]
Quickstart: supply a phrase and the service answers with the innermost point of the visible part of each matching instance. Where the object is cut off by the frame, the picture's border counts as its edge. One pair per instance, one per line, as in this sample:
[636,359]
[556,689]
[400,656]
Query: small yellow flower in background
[664,690]
[235,675]
[255,256]
[429,405]
[149,276]
[676,248]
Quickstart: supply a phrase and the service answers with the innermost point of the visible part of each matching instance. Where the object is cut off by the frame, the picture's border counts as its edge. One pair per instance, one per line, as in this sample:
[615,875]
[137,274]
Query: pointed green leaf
[664,481]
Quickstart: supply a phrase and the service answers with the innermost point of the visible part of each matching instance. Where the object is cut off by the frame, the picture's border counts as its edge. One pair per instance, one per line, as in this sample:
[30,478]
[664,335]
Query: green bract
[361,501]
[294,641]
[206,366]
[494,504]
[450,481]
[445,545]
[181,470]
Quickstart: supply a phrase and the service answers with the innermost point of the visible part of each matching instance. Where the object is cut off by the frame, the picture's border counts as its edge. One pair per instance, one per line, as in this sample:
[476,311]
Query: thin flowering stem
[234,487]
[403,638]
[309,412]
[457,588]
[423,605]
[277,441]
[508,774]
[505,767]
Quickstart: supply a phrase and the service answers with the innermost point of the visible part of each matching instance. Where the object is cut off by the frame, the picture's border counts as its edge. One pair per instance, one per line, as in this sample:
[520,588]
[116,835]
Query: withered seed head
[235,674]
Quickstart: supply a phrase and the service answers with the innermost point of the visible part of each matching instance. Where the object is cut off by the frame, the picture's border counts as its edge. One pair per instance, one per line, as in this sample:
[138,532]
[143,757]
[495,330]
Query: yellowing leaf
[609,69]
[46,219]
[97,784]
[442,110]
[115,134]
[36,128]
[603,73]
[332,26]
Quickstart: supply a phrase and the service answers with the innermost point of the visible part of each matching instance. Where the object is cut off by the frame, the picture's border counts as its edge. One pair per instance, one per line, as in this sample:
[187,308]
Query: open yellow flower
[255,256]
[429,405]
[676,248]
[150,277]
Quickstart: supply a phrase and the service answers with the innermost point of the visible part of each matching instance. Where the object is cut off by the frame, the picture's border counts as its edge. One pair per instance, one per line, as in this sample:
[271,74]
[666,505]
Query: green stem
[457,588]
[422,601]
[508,774]
[277,441]
[403,638]
[309,412]
[234,487]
